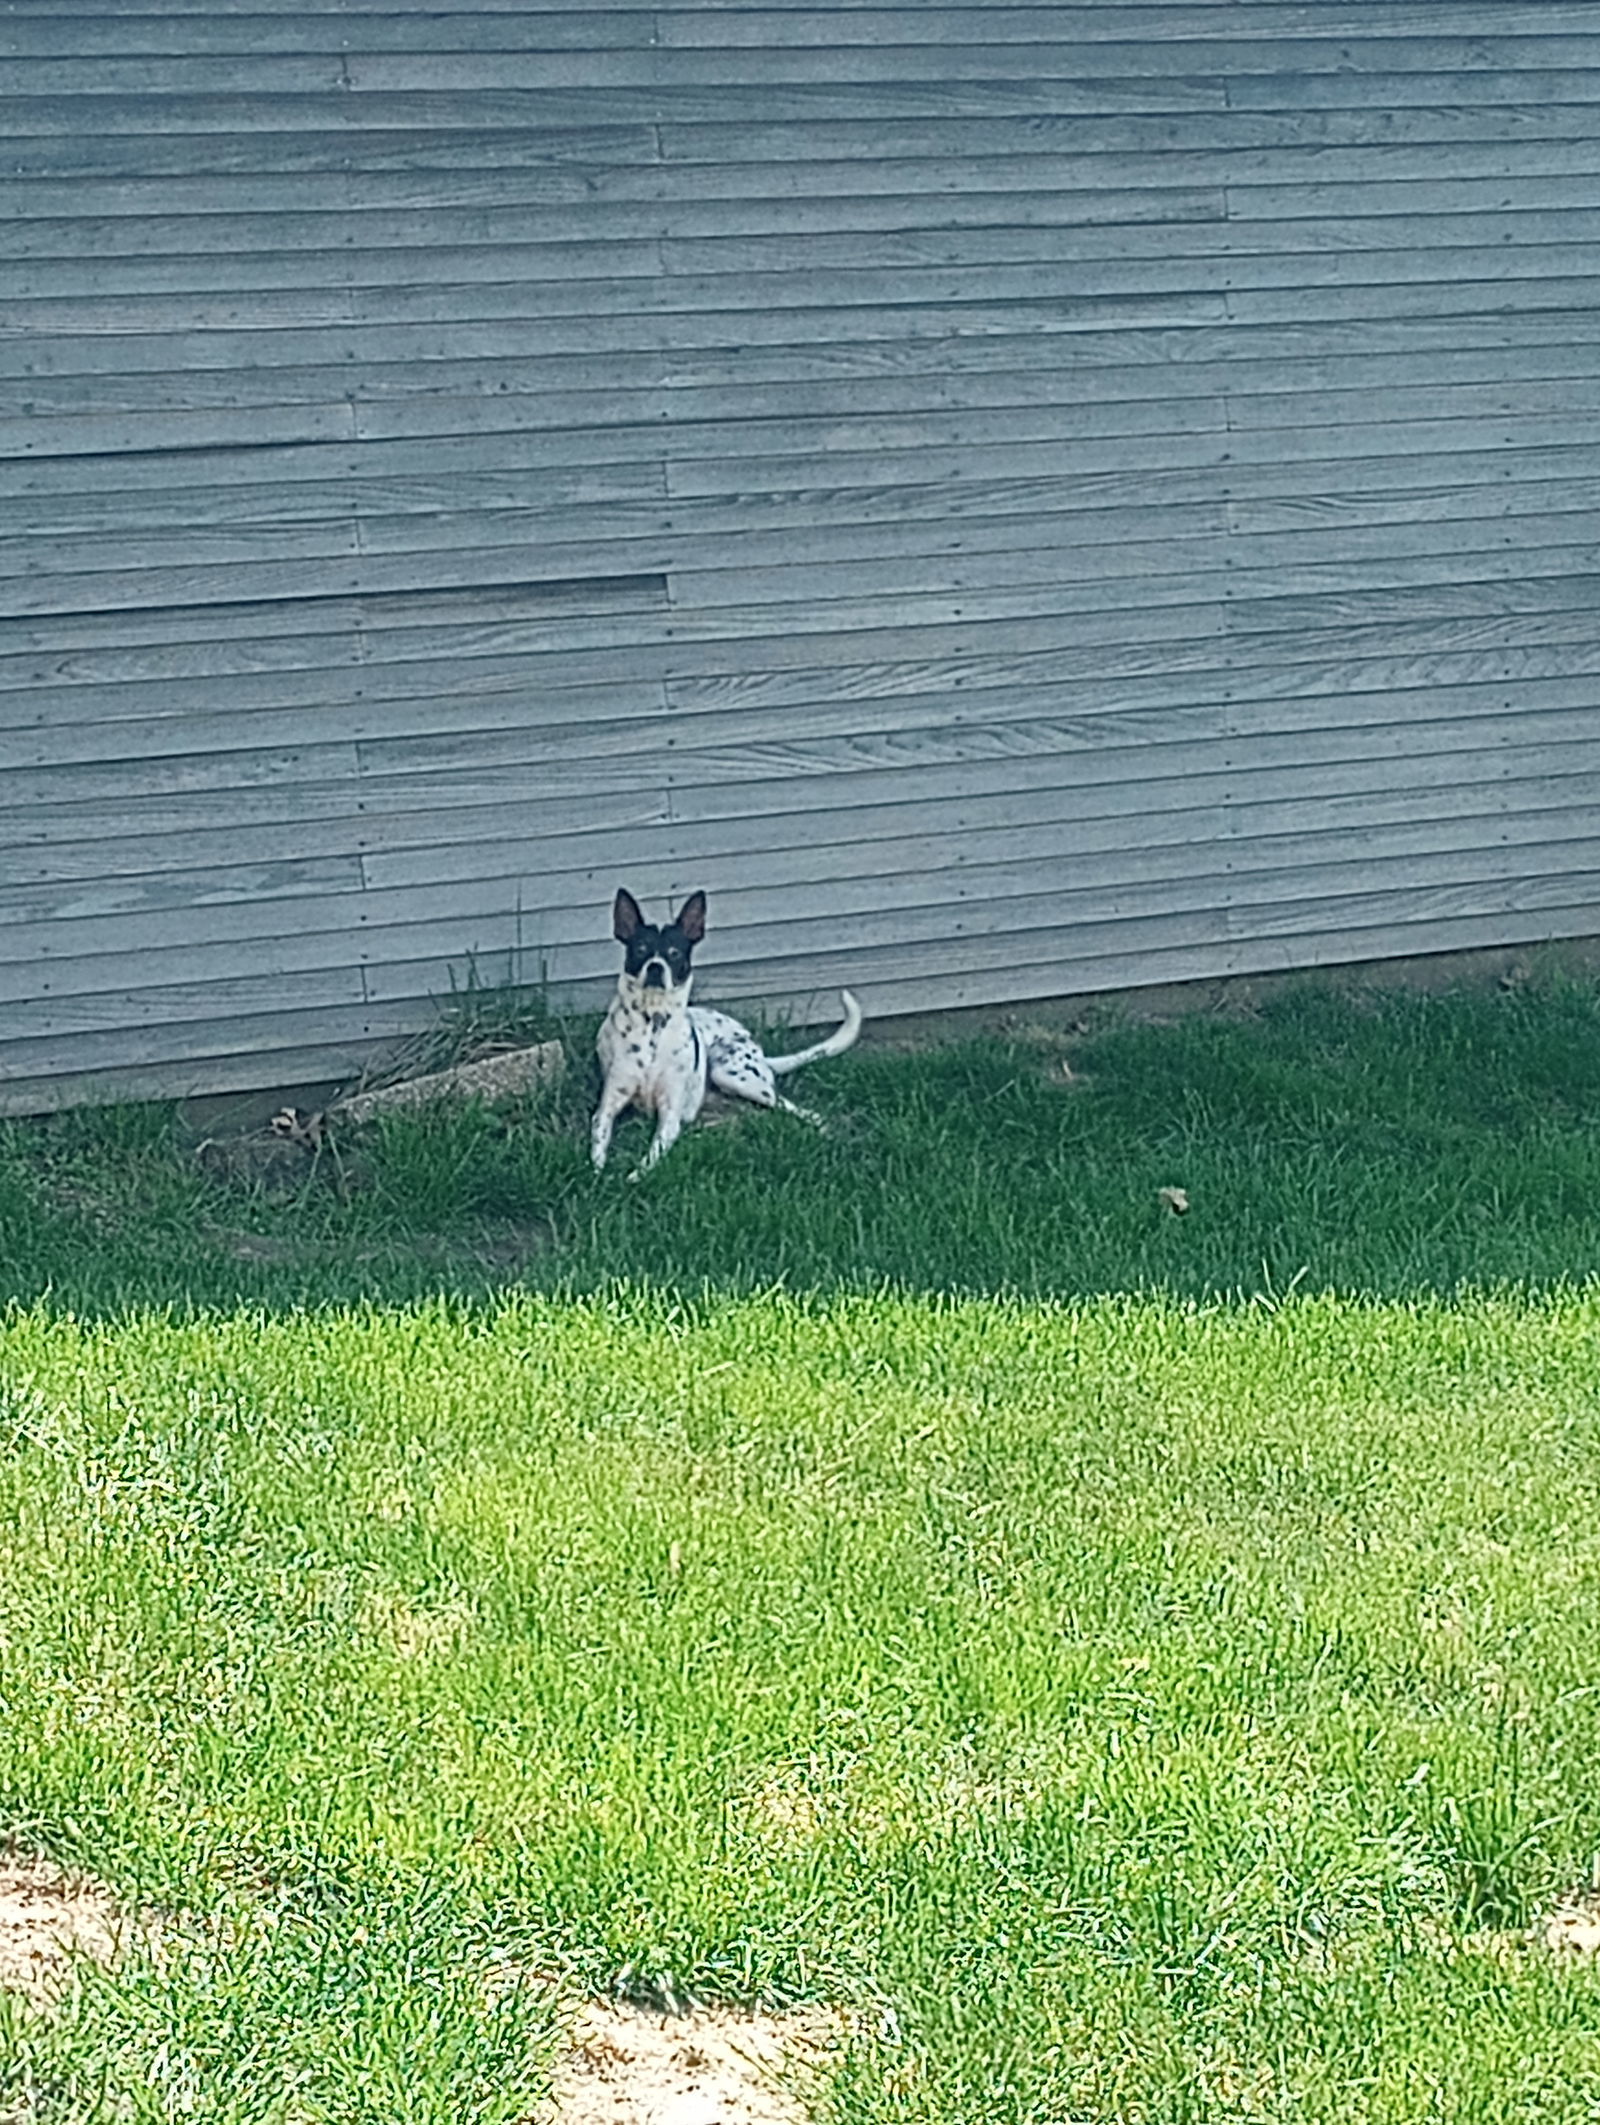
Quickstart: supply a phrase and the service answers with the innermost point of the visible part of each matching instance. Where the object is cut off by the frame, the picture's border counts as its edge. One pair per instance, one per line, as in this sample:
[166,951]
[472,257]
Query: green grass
[1144,1662]
[1395,1145]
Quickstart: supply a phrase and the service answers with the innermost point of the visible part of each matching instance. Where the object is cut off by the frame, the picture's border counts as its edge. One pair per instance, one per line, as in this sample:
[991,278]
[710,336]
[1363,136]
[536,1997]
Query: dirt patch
[632,2066]
[46,1917]
[1573,1928]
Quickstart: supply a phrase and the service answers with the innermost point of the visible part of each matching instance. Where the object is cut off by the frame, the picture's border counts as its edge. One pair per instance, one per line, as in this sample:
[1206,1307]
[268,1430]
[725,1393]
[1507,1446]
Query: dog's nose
[655,975]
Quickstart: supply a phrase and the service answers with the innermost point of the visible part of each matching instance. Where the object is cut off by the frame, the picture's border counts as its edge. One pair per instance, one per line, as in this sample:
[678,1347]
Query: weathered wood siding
[1012,499]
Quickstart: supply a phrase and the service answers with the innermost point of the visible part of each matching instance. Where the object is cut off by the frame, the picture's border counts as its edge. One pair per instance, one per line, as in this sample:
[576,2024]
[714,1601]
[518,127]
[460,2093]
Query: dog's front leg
[669,1127]
[612,1102]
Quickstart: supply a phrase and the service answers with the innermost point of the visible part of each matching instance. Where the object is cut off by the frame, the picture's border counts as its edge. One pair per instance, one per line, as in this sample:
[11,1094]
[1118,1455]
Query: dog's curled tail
[835,1044]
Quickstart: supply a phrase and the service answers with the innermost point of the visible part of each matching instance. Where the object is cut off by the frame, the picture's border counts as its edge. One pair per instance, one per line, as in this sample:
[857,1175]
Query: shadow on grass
[1387,1144]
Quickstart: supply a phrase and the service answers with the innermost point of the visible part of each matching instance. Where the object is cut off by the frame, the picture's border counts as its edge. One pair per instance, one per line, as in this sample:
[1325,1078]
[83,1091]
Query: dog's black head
[658,958]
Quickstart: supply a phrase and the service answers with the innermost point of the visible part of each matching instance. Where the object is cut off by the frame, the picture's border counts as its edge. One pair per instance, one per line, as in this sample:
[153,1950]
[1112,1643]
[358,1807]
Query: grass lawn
[1145,1665]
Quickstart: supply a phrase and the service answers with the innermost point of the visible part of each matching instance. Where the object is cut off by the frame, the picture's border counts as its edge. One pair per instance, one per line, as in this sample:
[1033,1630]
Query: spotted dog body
[658,1052]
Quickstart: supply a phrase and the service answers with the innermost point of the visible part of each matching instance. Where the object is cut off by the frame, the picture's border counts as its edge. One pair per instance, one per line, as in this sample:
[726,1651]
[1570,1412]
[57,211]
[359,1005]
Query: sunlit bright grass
[1151,1709]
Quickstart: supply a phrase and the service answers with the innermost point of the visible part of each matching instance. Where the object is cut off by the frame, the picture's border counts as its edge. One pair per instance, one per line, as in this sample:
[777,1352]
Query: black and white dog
[658,1052]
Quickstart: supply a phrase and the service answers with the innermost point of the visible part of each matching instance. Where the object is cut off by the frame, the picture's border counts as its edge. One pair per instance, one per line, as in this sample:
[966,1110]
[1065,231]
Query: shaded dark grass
[1381,1143]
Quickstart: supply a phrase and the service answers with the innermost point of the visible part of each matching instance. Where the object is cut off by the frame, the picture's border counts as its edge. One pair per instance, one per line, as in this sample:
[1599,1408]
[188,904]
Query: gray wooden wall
[1012,499]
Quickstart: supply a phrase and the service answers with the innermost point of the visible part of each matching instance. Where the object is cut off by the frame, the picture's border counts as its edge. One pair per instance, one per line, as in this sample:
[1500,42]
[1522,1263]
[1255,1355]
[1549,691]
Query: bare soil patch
[47,1916]
[1573,1927]
[715,2066]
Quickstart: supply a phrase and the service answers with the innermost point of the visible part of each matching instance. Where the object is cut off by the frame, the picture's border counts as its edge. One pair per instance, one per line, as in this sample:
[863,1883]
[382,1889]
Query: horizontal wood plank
[267,217]
[303,104]
[942,43]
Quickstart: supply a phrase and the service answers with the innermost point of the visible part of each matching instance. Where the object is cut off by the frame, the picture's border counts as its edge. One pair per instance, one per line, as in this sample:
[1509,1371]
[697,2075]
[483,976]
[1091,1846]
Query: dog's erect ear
[692,917]
[625,917]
